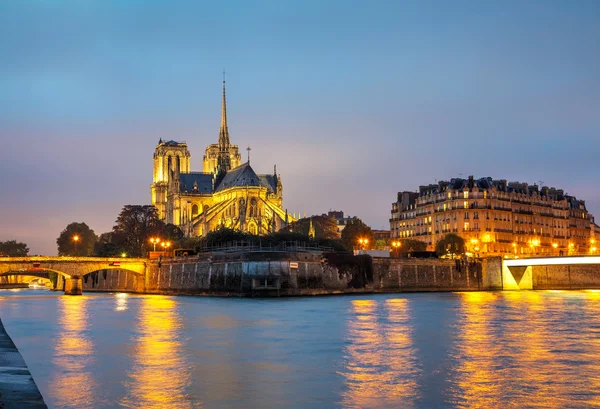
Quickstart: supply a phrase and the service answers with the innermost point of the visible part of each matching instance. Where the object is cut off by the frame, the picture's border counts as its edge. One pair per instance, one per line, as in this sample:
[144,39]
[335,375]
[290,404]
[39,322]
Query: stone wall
[578,276]
[273,274]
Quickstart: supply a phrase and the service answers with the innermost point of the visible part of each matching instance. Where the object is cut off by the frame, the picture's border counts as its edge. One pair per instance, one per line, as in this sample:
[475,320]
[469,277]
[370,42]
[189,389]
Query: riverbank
[17,387]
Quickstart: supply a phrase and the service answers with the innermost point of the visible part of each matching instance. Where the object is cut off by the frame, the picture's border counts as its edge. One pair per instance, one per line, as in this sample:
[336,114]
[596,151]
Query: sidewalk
[17,388]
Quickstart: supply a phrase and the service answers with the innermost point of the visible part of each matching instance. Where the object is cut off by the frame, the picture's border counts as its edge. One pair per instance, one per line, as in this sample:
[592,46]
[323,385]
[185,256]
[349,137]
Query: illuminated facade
[495,217]
[227,193]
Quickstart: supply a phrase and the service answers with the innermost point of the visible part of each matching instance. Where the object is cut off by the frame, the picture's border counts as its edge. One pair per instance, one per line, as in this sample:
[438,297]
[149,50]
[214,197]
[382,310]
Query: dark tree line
[12,248]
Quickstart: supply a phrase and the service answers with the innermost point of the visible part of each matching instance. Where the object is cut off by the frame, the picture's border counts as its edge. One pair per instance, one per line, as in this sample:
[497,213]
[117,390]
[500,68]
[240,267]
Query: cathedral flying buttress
[227,193]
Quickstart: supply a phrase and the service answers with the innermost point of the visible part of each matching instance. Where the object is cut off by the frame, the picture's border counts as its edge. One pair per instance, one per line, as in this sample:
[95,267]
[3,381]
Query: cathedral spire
[224,132]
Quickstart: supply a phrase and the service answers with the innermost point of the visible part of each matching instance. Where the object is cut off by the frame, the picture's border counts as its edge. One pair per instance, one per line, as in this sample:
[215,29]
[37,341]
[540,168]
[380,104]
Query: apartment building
[496,217]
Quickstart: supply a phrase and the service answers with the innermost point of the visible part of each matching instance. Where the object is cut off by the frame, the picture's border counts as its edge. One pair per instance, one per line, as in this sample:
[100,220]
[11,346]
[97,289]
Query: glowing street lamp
[396,245]
[165,245]
[76,239]
[154,241]
[363,242]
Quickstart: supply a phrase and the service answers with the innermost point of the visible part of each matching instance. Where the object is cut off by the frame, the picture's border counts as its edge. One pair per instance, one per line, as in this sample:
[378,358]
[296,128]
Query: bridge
[70,269]
[551,272]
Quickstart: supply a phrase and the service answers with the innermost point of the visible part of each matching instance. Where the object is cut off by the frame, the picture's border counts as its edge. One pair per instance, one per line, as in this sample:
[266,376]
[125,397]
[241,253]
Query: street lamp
[396,245]
[165,245]
[76,239]
[154,241]
[363,242]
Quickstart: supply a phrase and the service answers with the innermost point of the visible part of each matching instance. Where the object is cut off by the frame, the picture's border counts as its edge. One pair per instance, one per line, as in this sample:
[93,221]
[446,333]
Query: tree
[110,244]
[136,224]
[355,229]
[12,248]
[452,244]
[77,239]
[324,226]
[411,245]
[172,233]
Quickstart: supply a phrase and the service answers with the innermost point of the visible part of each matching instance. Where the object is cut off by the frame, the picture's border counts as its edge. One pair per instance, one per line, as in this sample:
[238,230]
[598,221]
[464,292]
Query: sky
[353,100]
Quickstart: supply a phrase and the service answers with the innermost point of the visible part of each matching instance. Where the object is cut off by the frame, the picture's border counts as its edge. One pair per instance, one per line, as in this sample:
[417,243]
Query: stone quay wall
[289,274]
[574,277]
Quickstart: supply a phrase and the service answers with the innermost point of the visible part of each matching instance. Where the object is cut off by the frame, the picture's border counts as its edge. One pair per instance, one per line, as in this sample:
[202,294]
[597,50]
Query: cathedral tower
[223,155]
[170,159]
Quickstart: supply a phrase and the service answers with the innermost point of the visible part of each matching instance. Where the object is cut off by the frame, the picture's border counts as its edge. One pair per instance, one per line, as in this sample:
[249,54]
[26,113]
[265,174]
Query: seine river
[439,350]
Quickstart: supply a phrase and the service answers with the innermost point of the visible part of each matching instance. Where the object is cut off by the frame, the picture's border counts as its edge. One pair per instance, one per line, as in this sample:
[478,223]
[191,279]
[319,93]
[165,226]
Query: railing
[245,246]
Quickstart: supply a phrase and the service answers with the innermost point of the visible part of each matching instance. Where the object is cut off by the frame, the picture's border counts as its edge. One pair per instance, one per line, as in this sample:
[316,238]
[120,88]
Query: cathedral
[226,193]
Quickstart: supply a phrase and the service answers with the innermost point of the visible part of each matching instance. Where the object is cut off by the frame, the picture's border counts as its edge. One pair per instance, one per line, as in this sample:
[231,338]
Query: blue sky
[352,100]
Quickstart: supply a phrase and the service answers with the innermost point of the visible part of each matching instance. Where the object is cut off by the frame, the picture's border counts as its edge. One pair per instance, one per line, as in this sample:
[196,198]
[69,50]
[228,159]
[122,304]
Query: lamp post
[396,245]
[474,243]
[515,248]
[76,239]
[154,241]
[165,245]
[555,245]
[363,242]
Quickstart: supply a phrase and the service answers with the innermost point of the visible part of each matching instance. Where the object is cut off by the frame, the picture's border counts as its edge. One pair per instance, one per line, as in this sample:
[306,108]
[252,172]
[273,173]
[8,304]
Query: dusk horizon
[352,103]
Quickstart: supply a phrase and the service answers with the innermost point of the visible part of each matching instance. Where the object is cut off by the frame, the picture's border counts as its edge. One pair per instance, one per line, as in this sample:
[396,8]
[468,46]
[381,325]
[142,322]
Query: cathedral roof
[171,143]
[243,176]
[268,181]
[195,182]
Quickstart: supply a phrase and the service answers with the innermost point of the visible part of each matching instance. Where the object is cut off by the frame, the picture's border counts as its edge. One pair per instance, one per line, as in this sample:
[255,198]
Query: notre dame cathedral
[226,193]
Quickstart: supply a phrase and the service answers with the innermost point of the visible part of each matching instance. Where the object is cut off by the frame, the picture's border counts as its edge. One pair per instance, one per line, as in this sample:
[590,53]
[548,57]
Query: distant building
[381,234]
[496,217]
[341,221]
[227,193]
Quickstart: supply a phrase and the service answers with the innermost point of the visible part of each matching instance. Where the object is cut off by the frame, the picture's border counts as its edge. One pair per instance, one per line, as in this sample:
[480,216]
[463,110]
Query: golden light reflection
[522,349]
[159,374]
[475,381]
[380,368]
[73,354]
[121,301]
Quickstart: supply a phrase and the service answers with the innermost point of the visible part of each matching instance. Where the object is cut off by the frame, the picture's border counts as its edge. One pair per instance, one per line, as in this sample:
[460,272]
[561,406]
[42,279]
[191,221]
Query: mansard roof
[486,183]
[195,182]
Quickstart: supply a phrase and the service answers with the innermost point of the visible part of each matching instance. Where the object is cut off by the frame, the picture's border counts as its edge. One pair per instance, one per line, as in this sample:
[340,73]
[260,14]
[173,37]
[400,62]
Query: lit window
[449,195]
[466,226]
[485,194]
[445,207]
[466,204]
[466,194]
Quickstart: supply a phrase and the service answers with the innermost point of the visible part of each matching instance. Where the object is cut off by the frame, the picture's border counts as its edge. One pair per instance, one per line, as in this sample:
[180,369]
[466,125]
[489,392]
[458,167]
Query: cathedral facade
[226,193]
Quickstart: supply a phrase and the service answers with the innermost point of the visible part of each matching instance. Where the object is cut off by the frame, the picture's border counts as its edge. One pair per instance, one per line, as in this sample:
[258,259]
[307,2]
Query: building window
[466,204]
[466,195]
[466,226]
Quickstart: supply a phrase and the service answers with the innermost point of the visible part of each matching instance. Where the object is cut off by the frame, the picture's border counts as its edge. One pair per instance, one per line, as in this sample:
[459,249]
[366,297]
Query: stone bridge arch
[70,270]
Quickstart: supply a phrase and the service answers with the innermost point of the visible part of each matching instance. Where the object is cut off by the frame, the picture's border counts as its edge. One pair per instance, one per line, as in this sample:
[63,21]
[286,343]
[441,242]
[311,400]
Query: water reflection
[73,384]
[380,369]
[159,374]
[475,383]
[121,301]
[522,350]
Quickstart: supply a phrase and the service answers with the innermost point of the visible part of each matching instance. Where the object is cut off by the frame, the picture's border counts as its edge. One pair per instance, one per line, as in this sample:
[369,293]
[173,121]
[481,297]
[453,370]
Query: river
[531,349]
